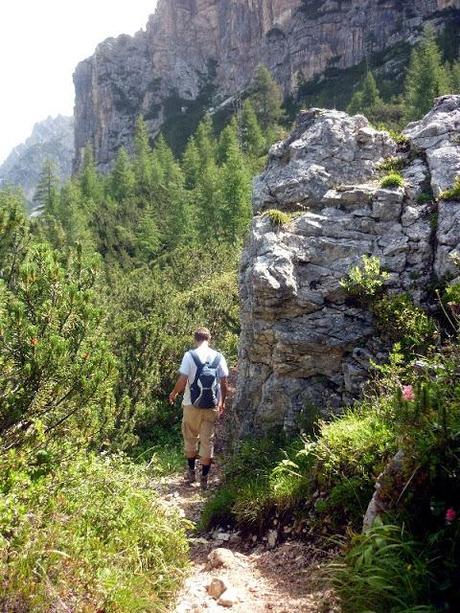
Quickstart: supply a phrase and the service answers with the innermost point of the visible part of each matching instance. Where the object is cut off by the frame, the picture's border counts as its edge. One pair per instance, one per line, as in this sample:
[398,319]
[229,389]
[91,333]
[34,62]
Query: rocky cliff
[302,344]
[51,139]
[196,54]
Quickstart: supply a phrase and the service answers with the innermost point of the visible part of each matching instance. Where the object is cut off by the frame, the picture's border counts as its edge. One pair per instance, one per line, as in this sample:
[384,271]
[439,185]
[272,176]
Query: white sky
[41,42]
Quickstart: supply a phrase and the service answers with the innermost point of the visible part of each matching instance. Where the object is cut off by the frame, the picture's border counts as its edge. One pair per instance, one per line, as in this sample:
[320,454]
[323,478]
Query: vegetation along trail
[256,578]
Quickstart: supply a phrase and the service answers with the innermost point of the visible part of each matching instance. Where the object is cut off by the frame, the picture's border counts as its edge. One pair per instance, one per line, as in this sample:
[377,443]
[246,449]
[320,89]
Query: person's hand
[220,409]
[172,398]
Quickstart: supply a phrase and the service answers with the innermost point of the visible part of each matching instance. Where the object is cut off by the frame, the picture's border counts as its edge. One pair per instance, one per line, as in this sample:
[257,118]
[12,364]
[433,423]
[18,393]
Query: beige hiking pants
[198,429]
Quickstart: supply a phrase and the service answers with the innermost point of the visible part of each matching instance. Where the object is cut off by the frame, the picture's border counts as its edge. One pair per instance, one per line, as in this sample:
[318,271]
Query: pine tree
[205,140]
[455,77]
[426,78]
[267,98]
[143,157]
[191,164]
[366,99]
[90,183]
[174,209]
[236,195]
[209,203]
[46,196]
[228,140]
[123,179]
[252,138]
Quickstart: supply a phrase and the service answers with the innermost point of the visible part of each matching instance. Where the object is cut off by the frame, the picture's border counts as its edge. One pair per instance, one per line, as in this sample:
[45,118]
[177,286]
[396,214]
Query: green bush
[259,482]
[277,218]
[366,280]
[453,293]
[454,192]
[90,535]
[401,321]
[391,165]
[392,179]
[382,570]
[350,453]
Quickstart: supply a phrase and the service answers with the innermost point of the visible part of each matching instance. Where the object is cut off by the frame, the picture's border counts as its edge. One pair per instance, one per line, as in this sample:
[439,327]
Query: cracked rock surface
[303,344]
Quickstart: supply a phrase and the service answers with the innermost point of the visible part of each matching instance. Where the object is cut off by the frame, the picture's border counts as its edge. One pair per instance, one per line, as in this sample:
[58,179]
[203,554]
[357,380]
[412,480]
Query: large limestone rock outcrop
[303,344]
[196,54]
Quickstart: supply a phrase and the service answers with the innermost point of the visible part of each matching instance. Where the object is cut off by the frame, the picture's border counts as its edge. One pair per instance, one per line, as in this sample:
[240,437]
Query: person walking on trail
[203,379]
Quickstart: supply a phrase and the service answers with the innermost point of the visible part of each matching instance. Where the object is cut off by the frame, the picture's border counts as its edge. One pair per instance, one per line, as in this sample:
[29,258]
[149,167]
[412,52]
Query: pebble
[228,598]
[216,588]
[272,538]
[221,557]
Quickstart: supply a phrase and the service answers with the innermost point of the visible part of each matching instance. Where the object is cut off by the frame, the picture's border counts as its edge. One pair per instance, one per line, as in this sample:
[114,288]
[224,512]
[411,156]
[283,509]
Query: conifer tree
[426,78]
[209,203]
[236,195]
[90,183]
[174,210]
[252,138]
[143,157]
[123,179]
[191,164]
[228,140]
[455,77]
[205,140]
[46,195]
[366,99]
[267,98]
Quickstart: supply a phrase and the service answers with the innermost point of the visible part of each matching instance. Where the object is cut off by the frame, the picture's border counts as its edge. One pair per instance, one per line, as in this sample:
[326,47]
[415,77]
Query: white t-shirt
[188,368]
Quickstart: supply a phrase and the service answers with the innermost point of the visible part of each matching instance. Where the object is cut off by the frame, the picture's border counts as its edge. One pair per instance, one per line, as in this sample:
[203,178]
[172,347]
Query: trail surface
[281,579]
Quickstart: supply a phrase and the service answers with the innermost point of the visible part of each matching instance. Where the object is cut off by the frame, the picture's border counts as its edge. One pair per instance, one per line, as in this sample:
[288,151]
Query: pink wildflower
[408,392]
[451,514]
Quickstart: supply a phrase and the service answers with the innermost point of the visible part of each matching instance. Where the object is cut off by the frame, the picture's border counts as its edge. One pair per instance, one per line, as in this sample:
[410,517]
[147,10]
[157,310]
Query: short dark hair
[202,334]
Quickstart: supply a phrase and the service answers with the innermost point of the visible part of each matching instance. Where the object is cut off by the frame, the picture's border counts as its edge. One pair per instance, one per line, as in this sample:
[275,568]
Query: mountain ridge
[195,54]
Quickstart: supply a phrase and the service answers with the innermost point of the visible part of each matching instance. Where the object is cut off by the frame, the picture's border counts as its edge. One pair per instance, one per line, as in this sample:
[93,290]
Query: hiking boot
[204,482]
[190,476]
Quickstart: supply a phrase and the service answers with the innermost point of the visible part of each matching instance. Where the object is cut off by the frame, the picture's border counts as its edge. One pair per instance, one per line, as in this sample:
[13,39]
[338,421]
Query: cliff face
[302,344]
[197,53]
[51,139]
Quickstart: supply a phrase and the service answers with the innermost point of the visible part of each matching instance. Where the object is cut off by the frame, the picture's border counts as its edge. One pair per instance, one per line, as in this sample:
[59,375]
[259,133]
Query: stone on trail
[216,588]
[228,599]
[221,557]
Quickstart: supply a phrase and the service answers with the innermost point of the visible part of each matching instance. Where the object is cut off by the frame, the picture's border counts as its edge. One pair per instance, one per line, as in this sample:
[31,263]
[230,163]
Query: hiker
[203,379]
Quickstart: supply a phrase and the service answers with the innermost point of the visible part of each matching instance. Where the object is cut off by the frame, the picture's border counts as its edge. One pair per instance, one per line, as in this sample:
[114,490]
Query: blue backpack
[205,387]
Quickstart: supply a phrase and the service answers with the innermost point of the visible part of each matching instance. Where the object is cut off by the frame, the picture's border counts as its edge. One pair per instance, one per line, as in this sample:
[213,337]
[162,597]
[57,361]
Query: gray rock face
[303,344]
[51,139]
[196,54]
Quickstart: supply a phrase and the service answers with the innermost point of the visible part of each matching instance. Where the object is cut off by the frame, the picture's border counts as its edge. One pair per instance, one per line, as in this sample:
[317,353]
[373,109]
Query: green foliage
[91,535]
[253,141]
[267,98]
[392,179]
[366,280]
[454,192]
[404,323]
[391,165]
[383,570]
[366,99]
[426,78]
[57,368]
[47,192]
[277,218]
[452,294]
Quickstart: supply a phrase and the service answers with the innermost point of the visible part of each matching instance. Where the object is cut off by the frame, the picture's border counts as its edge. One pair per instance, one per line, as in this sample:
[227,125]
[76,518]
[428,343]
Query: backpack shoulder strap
[216,361]
[195,358]
[199,365]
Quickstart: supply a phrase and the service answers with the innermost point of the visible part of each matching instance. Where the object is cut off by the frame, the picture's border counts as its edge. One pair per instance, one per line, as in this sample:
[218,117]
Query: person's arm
[223,396]
[179,388]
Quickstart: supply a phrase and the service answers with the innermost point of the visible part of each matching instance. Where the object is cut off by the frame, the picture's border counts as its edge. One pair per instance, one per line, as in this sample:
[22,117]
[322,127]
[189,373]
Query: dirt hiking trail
[228,573]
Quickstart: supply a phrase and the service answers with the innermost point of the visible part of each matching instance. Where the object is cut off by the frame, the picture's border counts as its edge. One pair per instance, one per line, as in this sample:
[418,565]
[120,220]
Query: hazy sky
[41,42]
